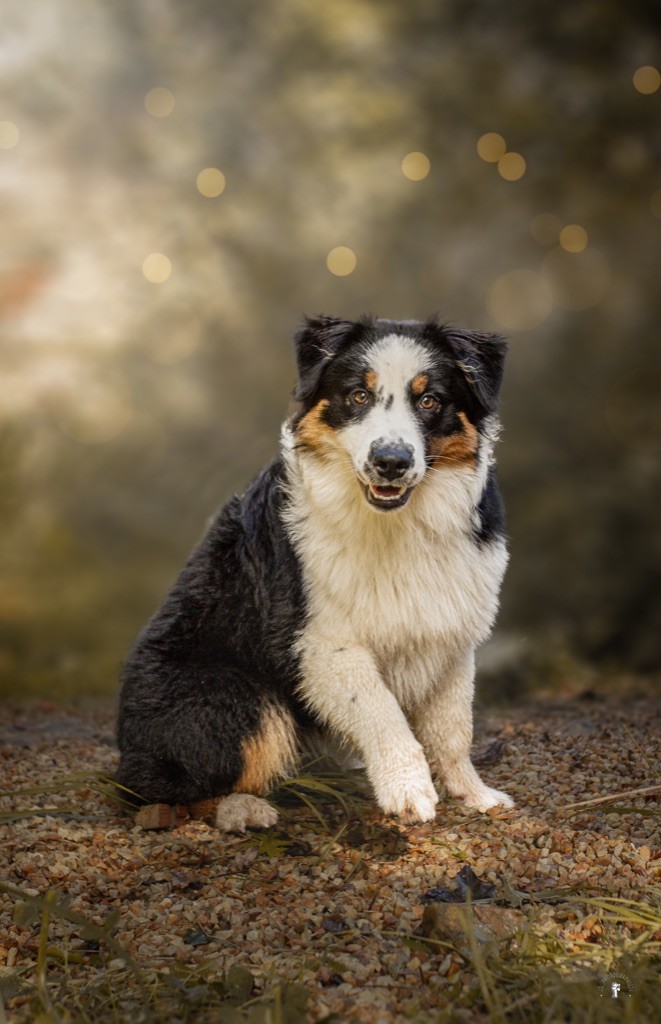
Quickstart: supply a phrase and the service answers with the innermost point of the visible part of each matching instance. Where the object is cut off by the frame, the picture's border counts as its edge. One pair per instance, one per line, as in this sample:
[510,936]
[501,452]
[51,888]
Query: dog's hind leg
[267,755]
[217,755]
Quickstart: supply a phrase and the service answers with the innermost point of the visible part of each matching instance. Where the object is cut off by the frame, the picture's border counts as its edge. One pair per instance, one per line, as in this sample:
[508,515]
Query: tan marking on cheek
[419,384]
[313,432]
[459,448]
[371,380]
[269,754]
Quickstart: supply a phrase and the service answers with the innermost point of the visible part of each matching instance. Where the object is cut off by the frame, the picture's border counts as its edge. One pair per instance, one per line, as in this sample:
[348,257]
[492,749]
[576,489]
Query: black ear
[317,342]
[481,359]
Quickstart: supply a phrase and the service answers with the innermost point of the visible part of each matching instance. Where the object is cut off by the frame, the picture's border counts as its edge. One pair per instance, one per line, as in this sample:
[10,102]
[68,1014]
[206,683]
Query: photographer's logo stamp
[615,986]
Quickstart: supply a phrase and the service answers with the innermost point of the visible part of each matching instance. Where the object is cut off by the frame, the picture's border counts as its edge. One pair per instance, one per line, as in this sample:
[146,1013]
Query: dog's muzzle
[388,466]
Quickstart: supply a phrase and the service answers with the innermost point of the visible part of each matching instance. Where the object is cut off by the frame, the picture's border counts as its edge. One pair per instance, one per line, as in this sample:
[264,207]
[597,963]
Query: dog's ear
[481,360]
[317,342]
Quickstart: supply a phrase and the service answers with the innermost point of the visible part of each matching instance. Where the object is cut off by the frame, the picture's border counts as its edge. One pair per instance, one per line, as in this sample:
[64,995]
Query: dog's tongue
[387,492]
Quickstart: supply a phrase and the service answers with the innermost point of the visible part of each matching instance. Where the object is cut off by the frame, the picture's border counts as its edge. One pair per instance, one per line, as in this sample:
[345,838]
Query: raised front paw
[407,790]
[484,798]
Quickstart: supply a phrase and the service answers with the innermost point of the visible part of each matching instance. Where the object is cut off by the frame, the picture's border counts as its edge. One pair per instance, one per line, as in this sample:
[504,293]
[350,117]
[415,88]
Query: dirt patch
[329,911]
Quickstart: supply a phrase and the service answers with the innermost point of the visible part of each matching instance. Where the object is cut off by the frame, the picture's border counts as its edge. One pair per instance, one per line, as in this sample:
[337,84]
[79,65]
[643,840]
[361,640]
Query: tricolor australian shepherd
[339,600]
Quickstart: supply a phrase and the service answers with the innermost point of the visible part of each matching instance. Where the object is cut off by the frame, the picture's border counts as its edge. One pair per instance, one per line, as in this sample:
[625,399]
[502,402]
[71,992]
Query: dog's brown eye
[360,397]
[428,402]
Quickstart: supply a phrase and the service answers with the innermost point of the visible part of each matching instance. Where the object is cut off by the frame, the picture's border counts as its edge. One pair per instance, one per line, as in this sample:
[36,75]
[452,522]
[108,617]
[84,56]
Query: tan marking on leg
[269,754]
[313,432]
[205,810]
[371,380]
[460,447]
[419,384]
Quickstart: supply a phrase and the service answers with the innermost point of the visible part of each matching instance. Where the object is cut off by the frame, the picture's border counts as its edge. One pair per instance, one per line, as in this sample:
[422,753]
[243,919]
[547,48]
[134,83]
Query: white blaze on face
[395,360]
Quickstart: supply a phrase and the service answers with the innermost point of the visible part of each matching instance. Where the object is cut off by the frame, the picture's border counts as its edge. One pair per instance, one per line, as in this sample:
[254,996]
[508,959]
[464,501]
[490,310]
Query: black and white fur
[338,602]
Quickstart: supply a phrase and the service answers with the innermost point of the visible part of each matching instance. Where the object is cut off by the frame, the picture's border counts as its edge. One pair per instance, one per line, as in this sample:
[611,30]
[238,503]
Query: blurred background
[179,182]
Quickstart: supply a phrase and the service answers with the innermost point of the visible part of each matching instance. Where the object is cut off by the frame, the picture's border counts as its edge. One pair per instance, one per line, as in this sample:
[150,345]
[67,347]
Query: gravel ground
[338,909]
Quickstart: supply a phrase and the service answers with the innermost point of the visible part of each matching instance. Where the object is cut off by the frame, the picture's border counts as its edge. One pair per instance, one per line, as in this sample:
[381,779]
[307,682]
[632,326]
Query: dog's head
[398,398]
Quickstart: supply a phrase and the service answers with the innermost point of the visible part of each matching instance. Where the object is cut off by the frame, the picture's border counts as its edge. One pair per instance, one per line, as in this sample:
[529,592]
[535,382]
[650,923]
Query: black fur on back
[219,649]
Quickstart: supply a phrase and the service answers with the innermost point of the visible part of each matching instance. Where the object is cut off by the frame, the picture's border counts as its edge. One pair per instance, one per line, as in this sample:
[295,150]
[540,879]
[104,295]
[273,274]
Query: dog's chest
[414,596]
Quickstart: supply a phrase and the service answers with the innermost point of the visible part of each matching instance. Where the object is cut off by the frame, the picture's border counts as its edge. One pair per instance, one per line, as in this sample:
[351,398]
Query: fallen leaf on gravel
[468,886]
[455,923]
[452,923]
[196,937]
[238,984]
[334,924]
[492,755]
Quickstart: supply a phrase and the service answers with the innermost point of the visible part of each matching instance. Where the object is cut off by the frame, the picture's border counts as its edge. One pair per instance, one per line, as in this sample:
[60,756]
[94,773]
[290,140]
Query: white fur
[397,603]
[396,361]
[240,811]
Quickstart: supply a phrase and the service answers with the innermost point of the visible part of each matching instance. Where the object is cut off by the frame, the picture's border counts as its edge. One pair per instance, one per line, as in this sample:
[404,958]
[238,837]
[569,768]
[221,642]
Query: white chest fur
[411,586]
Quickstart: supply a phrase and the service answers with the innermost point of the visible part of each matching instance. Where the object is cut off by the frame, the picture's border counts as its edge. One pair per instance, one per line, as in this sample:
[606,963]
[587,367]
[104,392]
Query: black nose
[391,462]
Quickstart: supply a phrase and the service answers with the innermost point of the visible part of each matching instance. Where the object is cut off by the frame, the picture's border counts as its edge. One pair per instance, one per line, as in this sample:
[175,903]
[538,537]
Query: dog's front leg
[444,726]
[343,686]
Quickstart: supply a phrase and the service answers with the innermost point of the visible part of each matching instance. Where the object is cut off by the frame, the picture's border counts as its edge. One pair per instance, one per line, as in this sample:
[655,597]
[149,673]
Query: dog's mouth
[387,496]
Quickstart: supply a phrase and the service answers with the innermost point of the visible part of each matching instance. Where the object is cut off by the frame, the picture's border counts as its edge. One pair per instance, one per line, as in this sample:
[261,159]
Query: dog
[337,603]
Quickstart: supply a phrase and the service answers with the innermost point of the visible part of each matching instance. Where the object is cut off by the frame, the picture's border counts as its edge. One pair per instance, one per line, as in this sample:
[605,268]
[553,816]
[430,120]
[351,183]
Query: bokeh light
[579,281]
[511,166]
[415,166]
[647,79]
[9,134]
[157,267]
[655,203]
[573,238]
[491,147]
[520,300]
[545,228]
[341,261]
[159,102]
[211,182]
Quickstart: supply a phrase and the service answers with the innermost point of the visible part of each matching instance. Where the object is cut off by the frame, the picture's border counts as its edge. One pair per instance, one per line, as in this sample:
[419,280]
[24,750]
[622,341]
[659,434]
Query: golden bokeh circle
[341,261]
[159,102]
[156,267]
[9,134]
[520,300]
[573,238]
[511,166]
[415,166]
[647,80]
[545,228]
[579,281]
[491,147]
[210,182]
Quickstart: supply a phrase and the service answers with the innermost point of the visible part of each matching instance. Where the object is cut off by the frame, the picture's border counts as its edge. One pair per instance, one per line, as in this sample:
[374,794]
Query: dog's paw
[408,792]
[240,811]
[484,799]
